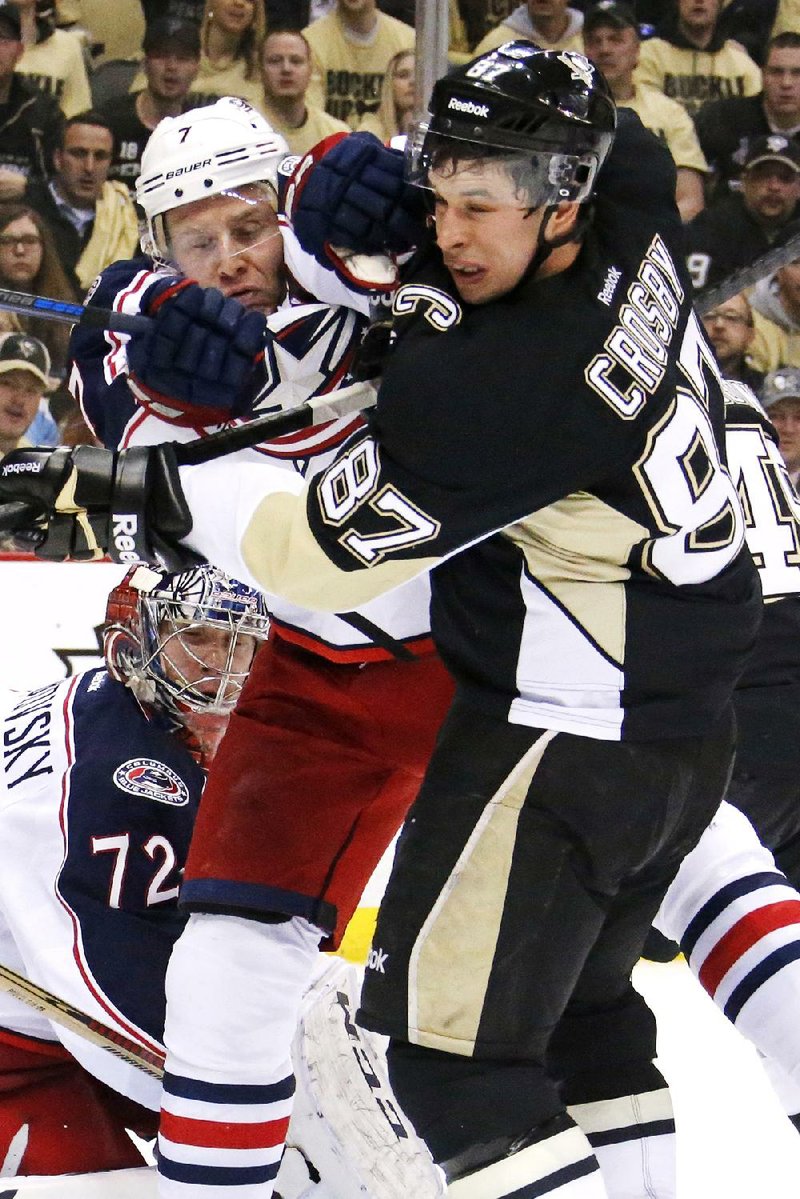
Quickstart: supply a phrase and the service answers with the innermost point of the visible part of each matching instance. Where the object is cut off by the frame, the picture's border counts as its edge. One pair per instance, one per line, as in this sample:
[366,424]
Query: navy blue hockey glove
[202,361]
[349,192]
[85,502]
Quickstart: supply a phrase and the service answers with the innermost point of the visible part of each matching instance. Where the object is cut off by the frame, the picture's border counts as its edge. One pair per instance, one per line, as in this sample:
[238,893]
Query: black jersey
[555,456]
[581,415]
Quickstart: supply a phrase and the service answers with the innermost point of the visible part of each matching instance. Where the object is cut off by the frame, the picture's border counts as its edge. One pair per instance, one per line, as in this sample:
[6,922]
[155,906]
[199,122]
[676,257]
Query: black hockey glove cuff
[82,503]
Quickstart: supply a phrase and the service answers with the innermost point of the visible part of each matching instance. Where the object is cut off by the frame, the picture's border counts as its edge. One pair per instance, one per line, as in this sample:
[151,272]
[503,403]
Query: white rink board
[48,615]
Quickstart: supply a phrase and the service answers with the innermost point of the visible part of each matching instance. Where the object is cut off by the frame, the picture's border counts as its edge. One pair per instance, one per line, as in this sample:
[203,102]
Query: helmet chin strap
[544,248]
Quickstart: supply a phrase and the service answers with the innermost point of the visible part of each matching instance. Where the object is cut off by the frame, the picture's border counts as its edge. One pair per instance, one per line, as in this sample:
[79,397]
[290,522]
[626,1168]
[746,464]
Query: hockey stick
[60,1012]
[345,402]
[71,314]
[746,276]
[317,411]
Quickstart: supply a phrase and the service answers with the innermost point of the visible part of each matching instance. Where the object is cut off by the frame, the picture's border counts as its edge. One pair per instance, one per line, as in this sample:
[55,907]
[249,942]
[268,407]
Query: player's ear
[563,219]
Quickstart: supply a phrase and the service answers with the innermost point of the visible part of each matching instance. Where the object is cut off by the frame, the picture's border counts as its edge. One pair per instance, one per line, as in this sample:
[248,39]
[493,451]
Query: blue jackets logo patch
[148,779]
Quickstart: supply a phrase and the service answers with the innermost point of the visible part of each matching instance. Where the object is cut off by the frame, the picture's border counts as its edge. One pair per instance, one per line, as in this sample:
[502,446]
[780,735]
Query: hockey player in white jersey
[99,788]
[339,716]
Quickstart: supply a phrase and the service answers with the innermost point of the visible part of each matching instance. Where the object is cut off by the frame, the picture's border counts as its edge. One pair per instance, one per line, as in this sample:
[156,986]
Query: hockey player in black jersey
[547,438]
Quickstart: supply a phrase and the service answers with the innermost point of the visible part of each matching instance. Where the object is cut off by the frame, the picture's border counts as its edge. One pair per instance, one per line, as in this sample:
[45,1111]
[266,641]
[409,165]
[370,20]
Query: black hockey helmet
[552,108]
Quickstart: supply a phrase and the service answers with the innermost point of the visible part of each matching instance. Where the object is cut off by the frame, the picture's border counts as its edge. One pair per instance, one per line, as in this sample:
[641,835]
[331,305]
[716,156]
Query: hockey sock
[633,1138]
[234,988]
[553,1162]
[738,923]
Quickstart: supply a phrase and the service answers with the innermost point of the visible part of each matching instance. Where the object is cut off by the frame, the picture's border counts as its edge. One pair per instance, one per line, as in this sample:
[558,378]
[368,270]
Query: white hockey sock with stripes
[561,1166]
[738,924]
[634,1141]
[234,988]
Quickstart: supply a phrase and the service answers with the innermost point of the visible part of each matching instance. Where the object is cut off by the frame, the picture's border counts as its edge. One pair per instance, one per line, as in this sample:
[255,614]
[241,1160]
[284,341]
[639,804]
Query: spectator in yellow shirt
[351,49]
[53,60]
[611,41]
[690,60]
[231,36]
[548,23]
[286,74]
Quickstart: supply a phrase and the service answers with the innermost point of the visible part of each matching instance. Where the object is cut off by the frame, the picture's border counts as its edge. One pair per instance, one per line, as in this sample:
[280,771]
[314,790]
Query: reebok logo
[376,959]
[124,534]
[469,107]
[22,468]
[606,293]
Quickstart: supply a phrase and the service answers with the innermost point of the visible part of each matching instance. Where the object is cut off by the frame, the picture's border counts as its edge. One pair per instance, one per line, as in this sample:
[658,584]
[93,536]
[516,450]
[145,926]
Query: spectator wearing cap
[24,381]
[171,62]
[735,230]
[53,59]
[780,395]
[730,329]
[726,128]
[611,40]
[690,61]
[286,74]
[93,218]
[26,115]
[551,24]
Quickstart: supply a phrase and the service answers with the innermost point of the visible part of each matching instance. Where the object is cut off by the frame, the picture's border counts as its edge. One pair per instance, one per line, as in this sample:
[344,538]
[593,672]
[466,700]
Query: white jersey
[309,351]
[97,804]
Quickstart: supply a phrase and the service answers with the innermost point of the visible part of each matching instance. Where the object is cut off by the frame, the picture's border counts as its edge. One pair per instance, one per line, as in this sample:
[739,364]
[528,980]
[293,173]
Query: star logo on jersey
[148,779]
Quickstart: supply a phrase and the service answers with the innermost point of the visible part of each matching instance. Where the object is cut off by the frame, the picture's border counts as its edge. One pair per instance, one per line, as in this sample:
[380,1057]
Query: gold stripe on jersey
[588,583]
[282,554]
[451,962]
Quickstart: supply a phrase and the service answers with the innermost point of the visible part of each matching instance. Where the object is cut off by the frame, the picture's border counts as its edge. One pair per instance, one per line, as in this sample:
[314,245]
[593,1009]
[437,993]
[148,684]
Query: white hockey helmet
[205,152]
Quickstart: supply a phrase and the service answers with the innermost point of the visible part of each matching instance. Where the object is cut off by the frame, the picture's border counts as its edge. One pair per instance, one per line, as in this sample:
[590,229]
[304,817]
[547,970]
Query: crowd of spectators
[83,83]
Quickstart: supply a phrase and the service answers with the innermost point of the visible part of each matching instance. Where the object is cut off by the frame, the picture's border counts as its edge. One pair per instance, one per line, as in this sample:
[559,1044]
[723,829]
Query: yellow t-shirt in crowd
[213,82]
[671,123]
[787,18]
[694,76]
[117,26]
[317,125]
[347,75]
[57,67]
[772,346]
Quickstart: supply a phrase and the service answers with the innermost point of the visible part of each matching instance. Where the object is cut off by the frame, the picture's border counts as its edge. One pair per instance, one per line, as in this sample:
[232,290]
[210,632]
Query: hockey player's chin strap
[545,248]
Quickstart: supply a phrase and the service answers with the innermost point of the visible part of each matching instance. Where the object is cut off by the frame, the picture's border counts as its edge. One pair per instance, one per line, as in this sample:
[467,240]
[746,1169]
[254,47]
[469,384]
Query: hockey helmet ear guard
[151,614]
[549,113]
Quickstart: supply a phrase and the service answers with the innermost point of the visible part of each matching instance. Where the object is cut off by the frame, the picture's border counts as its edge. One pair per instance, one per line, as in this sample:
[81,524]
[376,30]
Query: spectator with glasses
[730,328]
[29,262]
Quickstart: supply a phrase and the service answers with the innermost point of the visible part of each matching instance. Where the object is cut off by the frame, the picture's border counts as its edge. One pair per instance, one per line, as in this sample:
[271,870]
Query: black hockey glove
[85,502]
[202,357]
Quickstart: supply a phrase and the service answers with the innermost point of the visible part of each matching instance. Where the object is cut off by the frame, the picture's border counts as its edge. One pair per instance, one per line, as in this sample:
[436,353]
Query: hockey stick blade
[61,1012]
[25,304]
[746,276]
[345,402]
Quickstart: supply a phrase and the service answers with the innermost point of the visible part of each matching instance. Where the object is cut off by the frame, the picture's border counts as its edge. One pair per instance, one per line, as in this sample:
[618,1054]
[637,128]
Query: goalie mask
[226,148]
[183,643]
[548,113]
